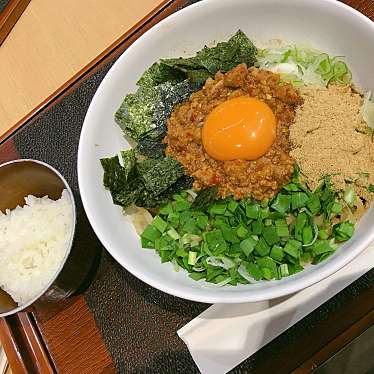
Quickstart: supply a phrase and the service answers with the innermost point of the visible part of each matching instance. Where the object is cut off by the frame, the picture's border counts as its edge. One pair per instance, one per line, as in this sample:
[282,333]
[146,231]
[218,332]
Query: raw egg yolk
[239,128]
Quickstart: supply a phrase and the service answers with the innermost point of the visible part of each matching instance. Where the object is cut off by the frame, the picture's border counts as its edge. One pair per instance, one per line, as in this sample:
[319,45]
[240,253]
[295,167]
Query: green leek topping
[303,65]
[232,242]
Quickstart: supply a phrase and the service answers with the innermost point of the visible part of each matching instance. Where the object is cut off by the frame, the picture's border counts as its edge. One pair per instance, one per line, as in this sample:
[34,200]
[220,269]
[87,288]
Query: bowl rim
[191,294]
[22,307]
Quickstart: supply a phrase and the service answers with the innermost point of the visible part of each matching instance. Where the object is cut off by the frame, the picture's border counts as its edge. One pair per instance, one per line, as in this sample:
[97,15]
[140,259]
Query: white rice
[33,242]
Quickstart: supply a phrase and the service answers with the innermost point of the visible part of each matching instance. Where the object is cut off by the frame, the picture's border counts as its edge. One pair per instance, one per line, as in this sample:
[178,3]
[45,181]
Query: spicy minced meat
[261,178]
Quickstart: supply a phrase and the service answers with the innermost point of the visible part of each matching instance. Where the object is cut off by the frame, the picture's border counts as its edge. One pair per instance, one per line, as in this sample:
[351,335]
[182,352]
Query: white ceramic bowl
[327,24]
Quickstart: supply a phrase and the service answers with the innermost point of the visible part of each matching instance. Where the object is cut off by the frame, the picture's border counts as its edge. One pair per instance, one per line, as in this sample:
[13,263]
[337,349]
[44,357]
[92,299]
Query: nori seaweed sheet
[145,112]
[163,174]
[146,183]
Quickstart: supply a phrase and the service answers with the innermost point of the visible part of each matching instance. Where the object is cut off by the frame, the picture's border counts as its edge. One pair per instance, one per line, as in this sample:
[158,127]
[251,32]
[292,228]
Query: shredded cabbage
[368,110]
[303,65]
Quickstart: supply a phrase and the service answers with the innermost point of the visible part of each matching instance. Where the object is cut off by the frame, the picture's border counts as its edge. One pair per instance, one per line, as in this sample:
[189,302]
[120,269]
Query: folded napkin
[218,338]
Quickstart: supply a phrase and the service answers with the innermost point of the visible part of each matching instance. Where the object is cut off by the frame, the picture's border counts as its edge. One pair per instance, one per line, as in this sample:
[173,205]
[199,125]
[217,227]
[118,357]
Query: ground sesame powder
[329,136]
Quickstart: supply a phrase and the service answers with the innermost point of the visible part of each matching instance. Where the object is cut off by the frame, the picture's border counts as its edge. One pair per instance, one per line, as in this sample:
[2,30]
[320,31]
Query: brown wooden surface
[74,342]
[337,344]
[10,15]
[34,343]
[52,41]
[12,348]
[28,354]
[70,335]
[165,8]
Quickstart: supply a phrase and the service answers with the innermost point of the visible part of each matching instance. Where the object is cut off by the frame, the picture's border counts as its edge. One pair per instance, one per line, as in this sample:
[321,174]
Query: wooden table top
[69,335]
[52,41]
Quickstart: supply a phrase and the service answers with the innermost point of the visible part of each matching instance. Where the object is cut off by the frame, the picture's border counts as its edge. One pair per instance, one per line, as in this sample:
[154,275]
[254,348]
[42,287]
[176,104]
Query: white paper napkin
[226,334]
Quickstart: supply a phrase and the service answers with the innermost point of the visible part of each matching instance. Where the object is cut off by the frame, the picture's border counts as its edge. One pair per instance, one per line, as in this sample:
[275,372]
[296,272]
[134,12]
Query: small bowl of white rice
[37,226]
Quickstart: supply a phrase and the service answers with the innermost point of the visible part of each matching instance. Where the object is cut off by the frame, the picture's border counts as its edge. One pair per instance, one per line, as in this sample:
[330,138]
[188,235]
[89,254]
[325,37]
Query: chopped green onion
[166,209]
[192,258]
[299,200]
[178,197]
[277,253]
[282,231]
[314,204]
[264,213]
[343,231]
[232,205]
[262,248]
[147,243]
[166,256]
[302,65]
[336,208]
[257,227]
[280,222]
[306,258]
[162,242]
[267,273]
[321,258]
[267,263]
[160,224]
[212,237]
[173,234]
[292,248]
[254,270]
[181,205]
[282,203]
[230,235]
[323,234]
[218,209]
[307,234]
[322,246]
[294,268]
[241,231]
[196,276]
[248,245]
[270,235]
[151,233]
[292,187]
[268,222]
[190,227]
[180,252]
[252,211]
[232,242]
[301,221]
[202,221]
[283,268]
[245,274]
[173,218]
[219,222]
